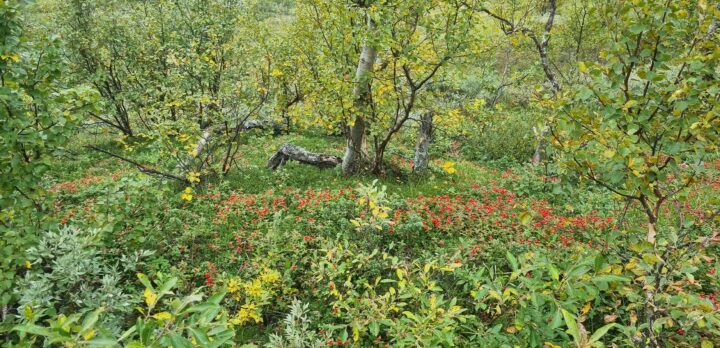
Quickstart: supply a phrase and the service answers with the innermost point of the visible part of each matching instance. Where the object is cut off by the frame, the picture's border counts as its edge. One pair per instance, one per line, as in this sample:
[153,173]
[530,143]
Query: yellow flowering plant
[250,297]
[449,167]
[187,194]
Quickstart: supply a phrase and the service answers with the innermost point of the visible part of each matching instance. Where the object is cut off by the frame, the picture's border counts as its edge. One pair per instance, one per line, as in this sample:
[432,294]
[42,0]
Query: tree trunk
[542,50]
[377,167]
[423,143]
[355,152]
[539,136]
[288,152]
[356,155]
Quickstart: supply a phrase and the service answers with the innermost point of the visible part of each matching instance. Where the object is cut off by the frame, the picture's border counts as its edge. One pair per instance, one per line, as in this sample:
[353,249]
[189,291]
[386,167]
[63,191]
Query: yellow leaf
[609,153]
[630,103]
[14,57]
[88,335]
[586,308]
[276,73]
[162,316]
[150,297]
[356,334]
[582,67]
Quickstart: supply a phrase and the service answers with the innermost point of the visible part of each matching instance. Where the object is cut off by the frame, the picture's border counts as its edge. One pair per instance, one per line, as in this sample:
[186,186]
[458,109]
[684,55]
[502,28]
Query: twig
[141,167]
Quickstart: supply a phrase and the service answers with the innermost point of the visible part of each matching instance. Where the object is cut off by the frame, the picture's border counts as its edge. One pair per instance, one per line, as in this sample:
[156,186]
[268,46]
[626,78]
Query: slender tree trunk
[539,136]
[542,50]
[355,152]
[378,160]
[423,143]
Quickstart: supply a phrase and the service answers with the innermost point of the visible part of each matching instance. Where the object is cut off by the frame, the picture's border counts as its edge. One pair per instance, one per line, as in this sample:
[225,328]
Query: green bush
[71,271]
[503,135]
[166,320]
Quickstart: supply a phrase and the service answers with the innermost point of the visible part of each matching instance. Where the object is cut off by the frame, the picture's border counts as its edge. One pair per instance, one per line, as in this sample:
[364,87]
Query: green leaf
[571,324]
[169,284]
[637,28]
[221,338]
[127,333]
[91,319]
[145,281]
[201,307]
[178,341]
[33,329]
[374,328]
[557,320]
[599,333]
[200,336]
[215,299]
[554,273]
[513,260]
[578,271]
[102,342]
[607,278]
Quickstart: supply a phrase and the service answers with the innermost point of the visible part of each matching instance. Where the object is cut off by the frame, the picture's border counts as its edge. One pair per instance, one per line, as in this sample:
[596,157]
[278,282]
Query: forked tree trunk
[288,152]
[355,151]
[422,146]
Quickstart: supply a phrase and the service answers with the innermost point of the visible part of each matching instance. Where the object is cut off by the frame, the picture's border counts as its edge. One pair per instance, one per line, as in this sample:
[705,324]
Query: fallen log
[288,152]
[209,133]
[263,125]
